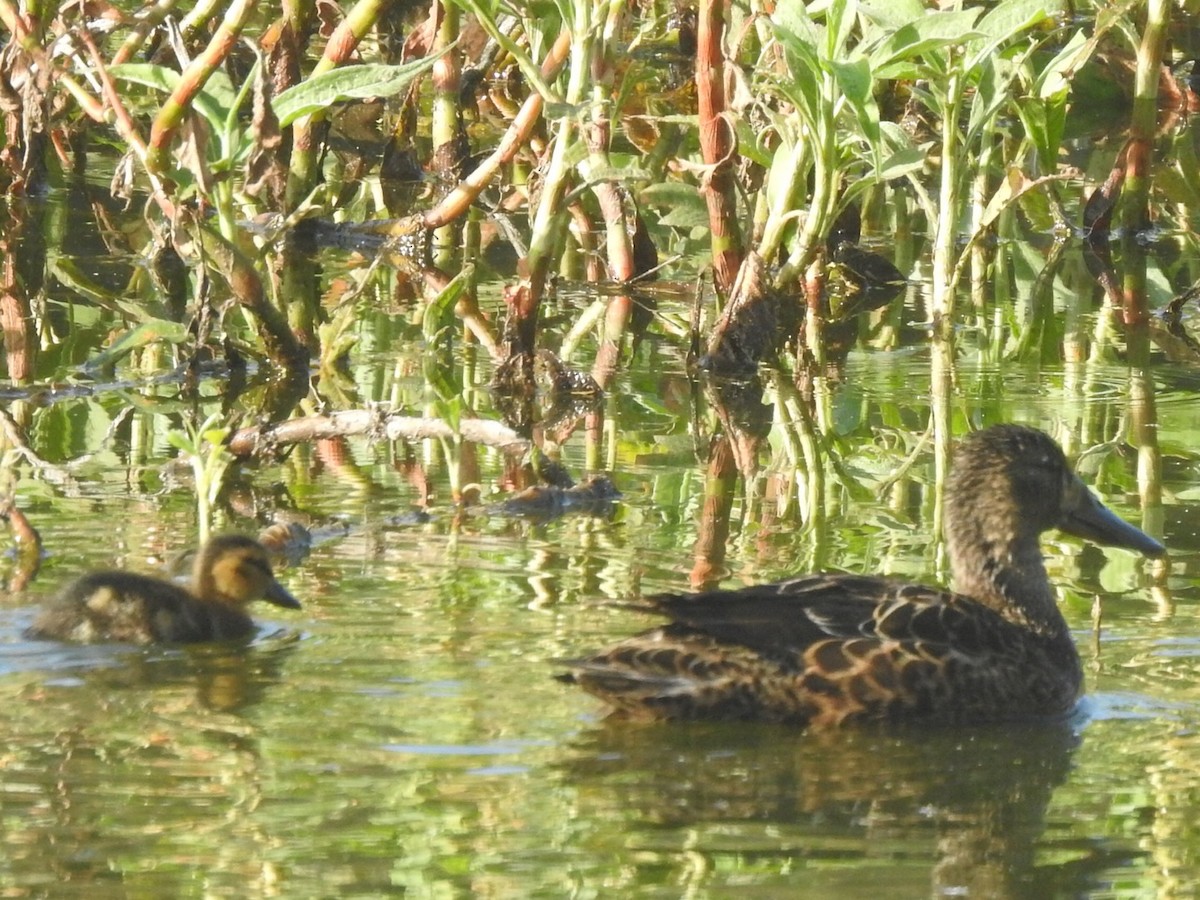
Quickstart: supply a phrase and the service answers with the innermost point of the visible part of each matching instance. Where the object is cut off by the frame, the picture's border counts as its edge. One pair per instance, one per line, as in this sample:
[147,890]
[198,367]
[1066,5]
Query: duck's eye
[256,565]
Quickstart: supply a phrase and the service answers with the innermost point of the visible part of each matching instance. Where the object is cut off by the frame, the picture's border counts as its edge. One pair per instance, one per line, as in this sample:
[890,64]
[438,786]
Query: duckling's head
[1008,484]
[235,569]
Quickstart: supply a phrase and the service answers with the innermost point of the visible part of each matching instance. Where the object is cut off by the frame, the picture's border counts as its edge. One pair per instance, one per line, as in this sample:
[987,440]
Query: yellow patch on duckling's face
[235,570]
[242,576]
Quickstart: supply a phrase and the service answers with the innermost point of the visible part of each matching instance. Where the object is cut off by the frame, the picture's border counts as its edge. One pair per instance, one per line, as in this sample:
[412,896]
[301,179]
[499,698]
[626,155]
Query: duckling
[229,572]
[829,649]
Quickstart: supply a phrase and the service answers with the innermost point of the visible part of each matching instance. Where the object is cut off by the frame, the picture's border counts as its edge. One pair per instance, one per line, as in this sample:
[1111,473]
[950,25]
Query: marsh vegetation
[487,315]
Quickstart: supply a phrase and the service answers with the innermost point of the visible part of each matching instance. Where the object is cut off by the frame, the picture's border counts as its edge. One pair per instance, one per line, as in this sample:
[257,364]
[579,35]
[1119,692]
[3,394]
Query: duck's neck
[203,584]
[1009,577]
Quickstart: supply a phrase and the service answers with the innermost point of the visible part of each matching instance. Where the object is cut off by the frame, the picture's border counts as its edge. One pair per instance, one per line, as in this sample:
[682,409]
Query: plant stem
[716,144]
[302,176]
[447,132]
[1144,119]
[547,233]
[942,312]
[171,116]
[519,130]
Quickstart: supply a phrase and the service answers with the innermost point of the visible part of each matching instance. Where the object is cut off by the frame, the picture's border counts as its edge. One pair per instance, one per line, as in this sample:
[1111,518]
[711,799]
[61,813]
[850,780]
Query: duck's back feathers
[229,572]
[825,649]
[800,611]
[137,609]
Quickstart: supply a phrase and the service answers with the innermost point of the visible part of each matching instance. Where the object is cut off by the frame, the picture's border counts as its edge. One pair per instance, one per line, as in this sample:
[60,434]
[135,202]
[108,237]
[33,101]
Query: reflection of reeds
[974,802]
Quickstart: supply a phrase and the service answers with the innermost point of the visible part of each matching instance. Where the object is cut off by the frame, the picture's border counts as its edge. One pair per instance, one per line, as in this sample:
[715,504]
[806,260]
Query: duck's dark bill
[279,595]
[1096,522]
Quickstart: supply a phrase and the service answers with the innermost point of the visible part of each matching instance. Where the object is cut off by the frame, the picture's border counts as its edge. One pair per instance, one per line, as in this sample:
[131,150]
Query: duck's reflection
[223,677]
[966,806]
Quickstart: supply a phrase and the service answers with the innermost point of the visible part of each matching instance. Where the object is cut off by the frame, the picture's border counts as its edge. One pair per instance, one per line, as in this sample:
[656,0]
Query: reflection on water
[408,737]
[412,740]
[971,804]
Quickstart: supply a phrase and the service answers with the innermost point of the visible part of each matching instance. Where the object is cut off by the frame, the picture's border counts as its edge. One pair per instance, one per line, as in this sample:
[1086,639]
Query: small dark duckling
[229,572]
[831,649]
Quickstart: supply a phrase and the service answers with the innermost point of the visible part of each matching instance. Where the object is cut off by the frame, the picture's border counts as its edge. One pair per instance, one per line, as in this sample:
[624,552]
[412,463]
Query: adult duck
[228,573]
[829,649]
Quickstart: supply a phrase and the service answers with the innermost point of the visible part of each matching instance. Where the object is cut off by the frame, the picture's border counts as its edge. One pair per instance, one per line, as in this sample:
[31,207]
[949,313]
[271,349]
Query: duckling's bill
[277,594]
[1094,521]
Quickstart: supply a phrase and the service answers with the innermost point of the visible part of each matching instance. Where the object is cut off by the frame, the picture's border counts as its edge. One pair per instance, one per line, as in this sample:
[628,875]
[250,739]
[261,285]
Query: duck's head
[235,569]
[1008,484]
[1011,479]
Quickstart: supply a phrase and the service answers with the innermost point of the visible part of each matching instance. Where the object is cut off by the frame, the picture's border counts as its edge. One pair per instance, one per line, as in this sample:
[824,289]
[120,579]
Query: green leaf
[684,206]
[854,79]
[794,22]
[902,162]
[993,90]
[347,83]
[896,56]
[232,135]
[798,36]
[750,142]
[215,436]
[782,176]
[894,14]
[839,23]
[1044,121]
[215,100]
[439,310]
[67,270]
[182,442]
[443,379]
[149,332]
[1053,77]
[1007,21]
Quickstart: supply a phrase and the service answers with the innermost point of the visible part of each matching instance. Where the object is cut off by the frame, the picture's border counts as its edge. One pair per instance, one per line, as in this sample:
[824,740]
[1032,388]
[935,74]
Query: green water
[402,733]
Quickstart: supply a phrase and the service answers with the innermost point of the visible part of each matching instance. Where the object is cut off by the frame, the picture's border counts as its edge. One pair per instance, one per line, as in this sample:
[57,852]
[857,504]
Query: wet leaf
[896,57]
[214,101]
[439,310]
[347,83]
[149,332]
[68,272]
[1006,21]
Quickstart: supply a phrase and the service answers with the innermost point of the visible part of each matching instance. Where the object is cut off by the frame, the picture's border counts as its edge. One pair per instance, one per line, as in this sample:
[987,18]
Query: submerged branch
[253,441]
[246,288]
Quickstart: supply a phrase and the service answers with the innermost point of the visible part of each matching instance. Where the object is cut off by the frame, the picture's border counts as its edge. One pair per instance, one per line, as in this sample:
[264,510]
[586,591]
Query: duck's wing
[138,609]
[824,649]
[794,614]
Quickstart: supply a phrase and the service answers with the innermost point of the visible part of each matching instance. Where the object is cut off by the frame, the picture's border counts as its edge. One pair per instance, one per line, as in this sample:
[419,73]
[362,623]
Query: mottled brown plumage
[229,572]
[828,649]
